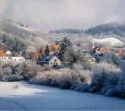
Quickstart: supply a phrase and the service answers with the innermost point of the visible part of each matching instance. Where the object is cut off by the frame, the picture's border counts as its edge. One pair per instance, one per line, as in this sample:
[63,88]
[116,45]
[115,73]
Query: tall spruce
[65,45]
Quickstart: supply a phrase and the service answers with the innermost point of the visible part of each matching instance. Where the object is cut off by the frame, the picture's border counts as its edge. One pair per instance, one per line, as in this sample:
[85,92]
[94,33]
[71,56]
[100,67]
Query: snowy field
[23,96]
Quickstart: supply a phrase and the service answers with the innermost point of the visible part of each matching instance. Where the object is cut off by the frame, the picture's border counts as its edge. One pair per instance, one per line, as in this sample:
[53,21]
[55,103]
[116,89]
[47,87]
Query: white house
[5,58]
[18,59]
[13,59]
[55,62]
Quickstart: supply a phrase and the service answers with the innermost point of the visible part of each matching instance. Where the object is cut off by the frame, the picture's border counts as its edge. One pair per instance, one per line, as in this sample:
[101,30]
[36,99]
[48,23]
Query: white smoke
[2,7]
[54,14]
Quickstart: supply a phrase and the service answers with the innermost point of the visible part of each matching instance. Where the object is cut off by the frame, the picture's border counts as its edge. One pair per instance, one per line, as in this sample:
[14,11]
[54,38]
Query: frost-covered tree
[13,44]
[74,56]
[65,44]
[111,57]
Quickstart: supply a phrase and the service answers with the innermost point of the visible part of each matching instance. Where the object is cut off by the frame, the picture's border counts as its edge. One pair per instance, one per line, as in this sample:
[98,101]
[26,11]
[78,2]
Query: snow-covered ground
[23,96]
[111,41]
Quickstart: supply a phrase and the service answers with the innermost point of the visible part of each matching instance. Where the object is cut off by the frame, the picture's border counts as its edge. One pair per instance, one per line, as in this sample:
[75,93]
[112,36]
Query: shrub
[81,87]
[84,83]
[12,78]
[29,70]
[63,78]
[119,89]
[105,77]
[6,72]
[112,58]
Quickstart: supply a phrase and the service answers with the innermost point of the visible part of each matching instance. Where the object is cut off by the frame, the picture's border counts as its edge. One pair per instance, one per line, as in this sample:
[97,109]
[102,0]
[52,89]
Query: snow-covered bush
[119,89]
[63,78]
[84,83]
[12,78]
[85,76]
[77,67]
[29,70]
[81,87]
[104,78]
[10,72]
[112,58]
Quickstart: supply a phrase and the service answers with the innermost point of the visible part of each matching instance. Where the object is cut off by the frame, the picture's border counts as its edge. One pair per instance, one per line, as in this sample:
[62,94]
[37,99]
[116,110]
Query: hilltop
[28,36]
[102,31]
[16,33]
[107,29]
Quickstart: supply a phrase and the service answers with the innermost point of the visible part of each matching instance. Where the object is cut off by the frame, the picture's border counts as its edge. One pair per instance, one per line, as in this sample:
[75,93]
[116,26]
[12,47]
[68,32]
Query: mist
[57,14]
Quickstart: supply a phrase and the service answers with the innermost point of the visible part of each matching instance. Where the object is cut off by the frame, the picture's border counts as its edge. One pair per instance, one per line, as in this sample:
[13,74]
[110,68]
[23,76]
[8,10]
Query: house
[18,59]
[11,59]
[52,61]
[5,58]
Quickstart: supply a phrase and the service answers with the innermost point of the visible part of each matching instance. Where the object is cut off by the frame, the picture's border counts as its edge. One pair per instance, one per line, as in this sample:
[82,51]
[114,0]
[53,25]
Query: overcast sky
[55,14]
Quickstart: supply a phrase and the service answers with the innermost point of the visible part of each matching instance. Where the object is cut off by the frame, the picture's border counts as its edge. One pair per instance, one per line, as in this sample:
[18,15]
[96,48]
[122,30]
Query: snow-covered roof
[8,52]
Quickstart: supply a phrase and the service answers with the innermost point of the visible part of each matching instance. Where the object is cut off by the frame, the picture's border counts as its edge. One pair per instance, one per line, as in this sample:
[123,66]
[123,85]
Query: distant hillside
[71,31]
[14,33]
[103,29]
[107,29]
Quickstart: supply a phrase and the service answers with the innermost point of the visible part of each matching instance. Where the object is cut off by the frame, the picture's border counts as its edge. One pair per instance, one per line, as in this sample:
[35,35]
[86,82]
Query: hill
[114,31]
[13,34]
[107,29]
[103,29]
[70,31]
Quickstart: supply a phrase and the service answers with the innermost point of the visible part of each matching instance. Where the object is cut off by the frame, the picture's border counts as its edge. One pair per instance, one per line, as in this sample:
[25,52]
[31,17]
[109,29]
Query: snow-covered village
[62,55]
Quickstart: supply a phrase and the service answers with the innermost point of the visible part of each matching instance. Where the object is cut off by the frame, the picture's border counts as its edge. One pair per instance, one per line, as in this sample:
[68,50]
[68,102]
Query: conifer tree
[65,45]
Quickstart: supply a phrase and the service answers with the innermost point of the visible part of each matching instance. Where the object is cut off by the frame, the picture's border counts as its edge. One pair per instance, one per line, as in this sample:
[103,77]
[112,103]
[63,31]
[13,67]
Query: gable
[54,61]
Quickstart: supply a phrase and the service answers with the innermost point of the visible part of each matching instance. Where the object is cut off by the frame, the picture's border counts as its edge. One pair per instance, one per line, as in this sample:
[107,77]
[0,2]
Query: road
[23,96]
